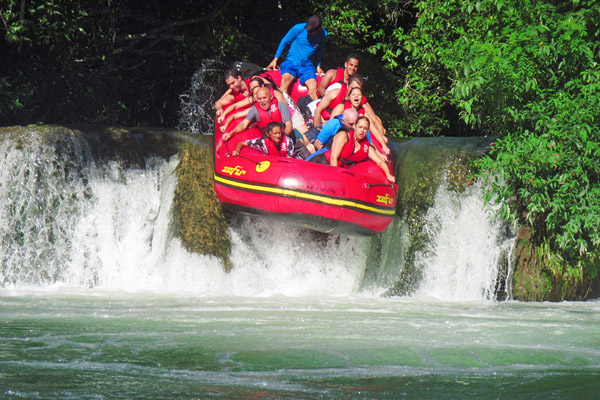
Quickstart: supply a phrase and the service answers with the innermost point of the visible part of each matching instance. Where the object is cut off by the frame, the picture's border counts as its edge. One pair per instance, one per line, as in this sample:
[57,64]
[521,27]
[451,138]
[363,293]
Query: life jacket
[238,97]
[339,77]
[348,156]
[341,98]
[271,115]
[273,150]
[361,110]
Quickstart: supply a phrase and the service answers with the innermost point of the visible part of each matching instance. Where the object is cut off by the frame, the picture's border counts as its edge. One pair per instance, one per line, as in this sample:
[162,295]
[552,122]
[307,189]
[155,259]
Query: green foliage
[369,28]
[527,71]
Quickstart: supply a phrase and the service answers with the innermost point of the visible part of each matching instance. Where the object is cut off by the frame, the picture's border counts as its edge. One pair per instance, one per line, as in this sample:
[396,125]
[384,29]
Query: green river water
[93,344]
[99,299]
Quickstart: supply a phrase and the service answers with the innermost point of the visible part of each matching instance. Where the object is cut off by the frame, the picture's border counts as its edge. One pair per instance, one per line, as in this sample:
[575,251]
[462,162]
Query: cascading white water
[72,222]
[66,220]
[461,259]
[41,193]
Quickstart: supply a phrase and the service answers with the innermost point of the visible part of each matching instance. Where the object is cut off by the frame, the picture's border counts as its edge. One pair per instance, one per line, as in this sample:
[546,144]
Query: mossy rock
[199,218]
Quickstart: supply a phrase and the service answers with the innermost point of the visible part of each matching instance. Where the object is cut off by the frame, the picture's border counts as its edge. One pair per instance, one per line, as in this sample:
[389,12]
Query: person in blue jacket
[306,42]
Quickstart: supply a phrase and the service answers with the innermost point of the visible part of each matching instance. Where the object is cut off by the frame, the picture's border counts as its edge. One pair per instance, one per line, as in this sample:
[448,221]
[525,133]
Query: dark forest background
[127,62]
[524,71]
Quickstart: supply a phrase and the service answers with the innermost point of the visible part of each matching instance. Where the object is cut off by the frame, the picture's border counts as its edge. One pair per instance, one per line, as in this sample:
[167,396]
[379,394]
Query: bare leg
[286,81]
[311,85]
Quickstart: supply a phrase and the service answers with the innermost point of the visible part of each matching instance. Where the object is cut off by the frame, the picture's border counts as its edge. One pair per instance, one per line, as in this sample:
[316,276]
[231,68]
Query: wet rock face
[199,219]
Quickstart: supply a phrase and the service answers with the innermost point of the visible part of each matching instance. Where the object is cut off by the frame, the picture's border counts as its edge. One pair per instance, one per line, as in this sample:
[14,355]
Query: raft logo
[237,171]
[385,199]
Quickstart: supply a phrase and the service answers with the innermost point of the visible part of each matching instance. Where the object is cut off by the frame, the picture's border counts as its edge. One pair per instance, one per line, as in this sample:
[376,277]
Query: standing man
[306,50]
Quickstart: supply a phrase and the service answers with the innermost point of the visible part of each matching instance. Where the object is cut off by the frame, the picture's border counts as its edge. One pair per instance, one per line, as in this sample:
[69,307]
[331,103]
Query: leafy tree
[527,71]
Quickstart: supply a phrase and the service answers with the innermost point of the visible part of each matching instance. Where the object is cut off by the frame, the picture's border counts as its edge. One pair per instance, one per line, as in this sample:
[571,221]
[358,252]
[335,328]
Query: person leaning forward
[265,110]
[306,42]
[238,90]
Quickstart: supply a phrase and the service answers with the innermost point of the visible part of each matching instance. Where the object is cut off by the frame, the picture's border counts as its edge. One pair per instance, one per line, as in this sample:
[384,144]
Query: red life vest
[271,115]
[348,156]
[273,150]
[361,110]
[341,97]
[339,77]
[238,97]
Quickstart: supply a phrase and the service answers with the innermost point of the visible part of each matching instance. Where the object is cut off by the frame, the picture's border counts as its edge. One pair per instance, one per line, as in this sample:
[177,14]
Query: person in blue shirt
[345,120]
[306,42]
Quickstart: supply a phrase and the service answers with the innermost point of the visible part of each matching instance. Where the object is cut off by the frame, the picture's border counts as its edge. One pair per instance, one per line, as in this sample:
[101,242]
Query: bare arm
[337,110]
[240,104]
[239,114]
[327,78]
[239,147]
[273,64]
[318,144]
[277,94]
[377,128]
[339,140]
[323,104]
[288,128]
[377,159]
[369,112]
[240,127]
[227,98]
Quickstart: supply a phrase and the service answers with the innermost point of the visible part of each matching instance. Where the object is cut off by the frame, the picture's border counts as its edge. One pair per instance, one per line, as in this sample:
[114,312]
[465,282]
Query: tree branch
[177,24]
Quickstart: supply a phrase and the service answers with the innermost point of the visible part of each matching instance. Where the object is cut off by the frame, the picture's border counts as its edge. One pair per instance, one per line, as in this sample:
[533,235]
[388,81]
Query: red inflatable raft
[358,200]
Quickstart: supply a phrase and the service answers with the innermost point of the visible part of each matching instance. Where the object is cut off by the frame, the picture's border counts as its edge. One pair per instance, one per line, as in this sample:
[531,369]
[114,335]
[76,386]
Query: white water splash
[197,114]
[75,223]
[135,248]
[66,221]
[461,260]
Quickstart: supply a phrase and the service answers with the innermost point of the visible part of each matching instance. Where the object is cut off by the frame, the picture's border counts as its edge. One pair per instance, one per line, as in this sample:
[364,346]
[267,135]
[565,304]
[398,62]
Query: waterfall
[69,218]
[465,248]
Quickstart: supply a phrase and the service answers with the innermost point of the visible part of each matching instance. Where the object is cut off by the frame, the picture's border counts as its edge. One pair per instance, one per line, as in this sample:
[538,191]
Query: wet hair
[353,56]
[272,125]
[358,78]
[258,80]
[354,88]
[231,73]
[361,117]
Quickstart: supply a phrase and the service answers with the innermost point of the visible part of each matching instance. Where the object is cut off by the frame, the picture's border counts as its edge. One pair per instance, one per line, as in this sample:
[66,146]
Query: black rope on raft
[369,186]
[239,155]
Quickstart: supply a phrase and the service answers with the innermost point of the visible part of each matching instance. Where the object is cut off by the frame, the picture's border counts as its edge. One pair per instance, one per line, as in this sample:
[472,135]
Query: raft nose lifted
[357,201]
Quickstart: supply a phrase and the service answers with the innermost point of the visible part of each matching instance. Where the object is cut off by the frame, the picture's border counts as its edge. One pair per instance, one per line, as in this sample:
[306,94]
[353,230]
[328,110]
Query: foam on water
[461,259]
[69,221]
